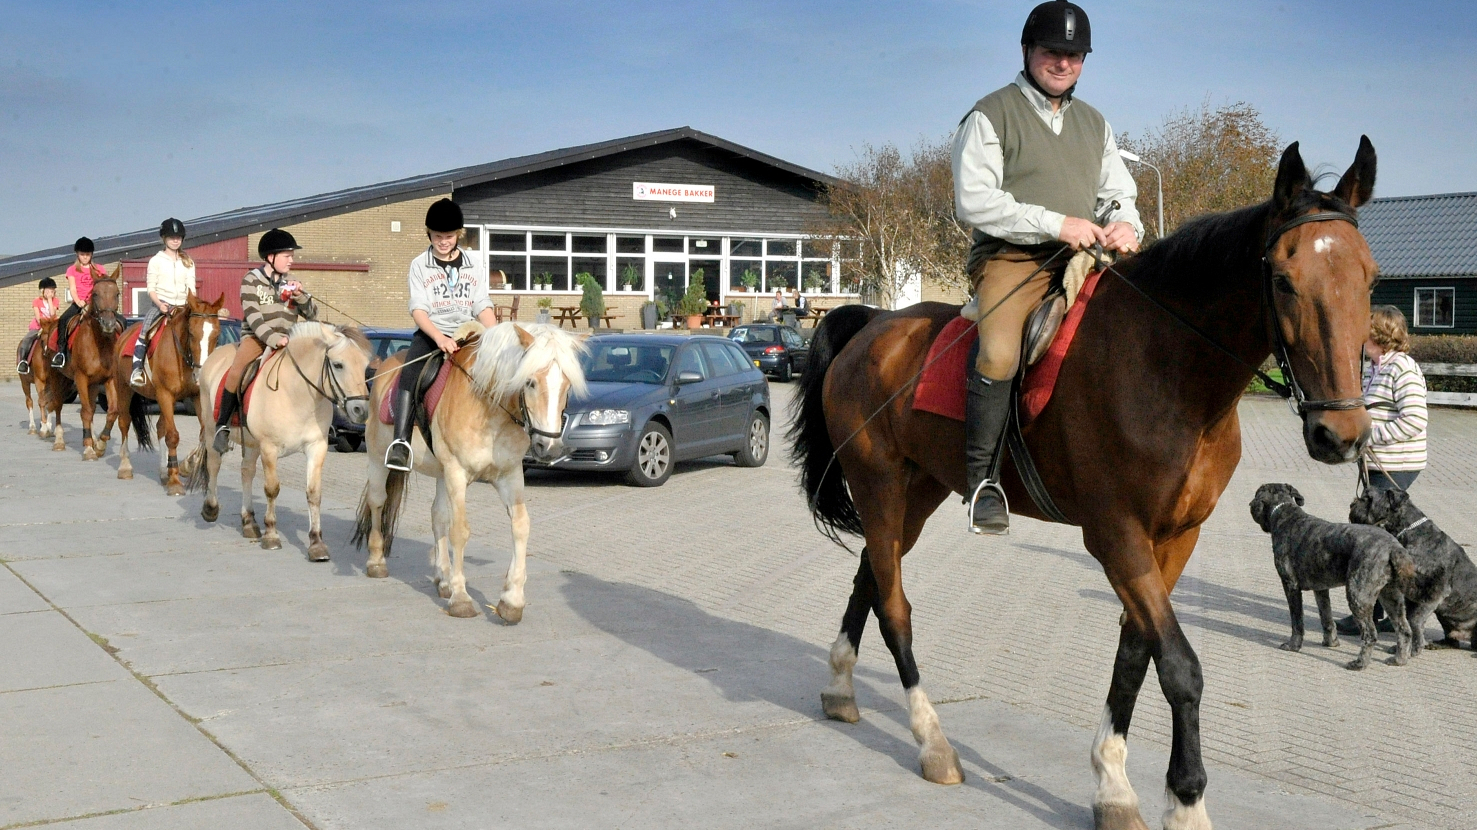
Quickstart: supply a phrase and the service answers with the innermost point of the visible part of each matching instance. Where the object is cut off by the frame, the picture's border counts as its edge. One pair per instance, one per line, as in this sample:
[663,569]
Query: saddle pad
[259,366]
[71,338]
[941,389]
[130,340]
[433,396]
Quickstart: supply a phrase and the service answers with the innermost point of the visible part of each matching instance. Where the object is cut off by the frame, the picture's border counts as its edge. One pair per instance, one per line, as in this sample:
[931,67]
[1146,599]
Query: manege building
[645,215]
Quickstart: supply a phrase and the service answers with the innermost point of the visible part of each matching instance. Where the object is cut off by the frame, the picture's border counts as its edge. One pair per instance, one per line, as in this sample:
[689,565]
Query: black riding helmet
[46,282]
[83,246]
[275,241]
[444,216]
[172,227]
[1058,25]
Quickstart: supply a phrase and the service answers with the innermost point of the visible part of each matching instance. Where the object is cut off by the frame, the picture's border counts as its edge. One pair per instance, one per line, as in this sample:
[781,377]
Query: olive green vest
[1057,172]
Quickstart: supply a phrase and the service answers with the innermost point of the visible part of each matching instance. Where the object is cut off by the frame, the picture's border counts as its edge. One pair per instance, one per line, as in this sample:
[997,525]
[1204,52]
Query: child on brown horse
[80,278]
[171,279]
[271,303]
[43,309]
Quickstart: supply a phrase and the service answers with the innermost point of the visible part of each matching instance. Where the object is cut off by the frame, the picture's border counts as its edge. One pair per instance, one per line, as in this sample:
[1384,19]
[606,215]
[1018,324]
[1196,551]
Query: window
[631,271]
[690,361]
[746,247]
[781,247]
[630,244]
[1435,308]
[720,358]
[791,339]
[548,242]
[515,267]
[667,244]
[745,272]
[473,242]
[507,242]
[705,247]
[595,267]
[627,363]
[551,271]
[589,244]
[779,274]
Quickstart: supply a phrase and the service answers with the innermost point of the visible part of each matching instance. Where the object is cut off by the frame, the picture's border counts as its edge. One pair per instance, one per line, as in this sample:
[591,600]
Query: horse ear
[524,337]
[1292,178]
[1357,185]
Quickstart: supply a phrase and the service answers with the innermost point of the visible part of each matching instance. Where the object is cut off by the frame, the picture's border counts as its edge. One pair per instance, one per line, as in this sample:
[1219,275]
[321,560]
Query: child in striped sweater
[1395,393]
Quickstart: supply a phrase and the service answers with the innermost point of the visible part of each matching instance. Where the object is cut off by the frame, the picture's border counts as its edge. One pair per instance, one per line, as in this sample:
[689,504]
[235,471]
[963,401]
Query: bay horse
[39,378]
[191,332]
[291,407]
[1135,446]
[505,394]
[91,362]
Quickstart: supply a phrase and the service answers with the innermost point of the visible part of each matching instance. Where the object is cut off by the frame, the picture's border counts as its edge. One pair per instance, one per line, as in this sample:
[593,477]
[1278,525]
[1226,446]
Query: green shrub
[1443,348]
[695,301]
[592,303]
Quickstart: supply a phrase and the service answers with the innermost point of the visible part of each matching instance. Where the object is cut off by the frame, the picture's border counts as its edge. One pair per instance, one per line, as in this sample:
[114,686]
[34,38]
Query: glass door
[667,275]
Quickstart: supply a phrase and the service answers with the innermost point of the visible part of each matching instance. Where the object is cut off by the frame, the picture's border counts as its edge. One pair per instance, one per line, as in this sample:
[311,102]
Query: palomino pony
[190,334]
[1135,446]
[90,363]
[39,378]
[291,407]
[505,393]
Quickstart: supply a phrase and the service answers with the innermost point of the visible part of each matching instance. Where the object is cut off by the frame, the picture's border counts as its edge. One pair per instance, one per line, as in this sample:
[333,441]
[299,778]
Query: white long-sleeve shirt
[979,168]
[170,279]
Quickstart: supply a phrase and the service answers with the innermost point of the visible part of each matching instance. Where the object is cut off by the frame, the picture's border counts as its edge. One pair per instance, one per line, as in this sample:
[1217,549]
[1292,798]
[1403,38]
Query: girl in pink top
[80,278]
[43,308]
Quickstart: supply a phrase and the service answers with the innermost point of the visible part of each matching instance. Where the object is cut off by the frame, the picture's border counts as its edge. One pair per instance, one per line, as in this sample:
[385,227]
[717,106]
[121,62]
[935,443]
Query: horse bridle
[527,422]
[1292,391]
[328,384]
[185,348]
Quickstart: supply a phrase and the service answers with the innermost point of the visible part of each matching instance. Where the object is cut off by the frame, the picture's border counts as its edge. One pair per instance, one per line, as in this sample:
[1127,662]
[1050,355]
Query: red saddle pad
[130,340]
[71,338]
[433,395]
[239,417]
[941,389]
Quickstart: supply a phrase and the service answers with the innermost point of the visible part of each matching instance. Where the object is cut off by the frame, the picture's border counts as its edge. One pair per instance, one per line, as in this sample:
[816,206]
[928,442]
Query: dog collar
[1417,523]
[1278,505]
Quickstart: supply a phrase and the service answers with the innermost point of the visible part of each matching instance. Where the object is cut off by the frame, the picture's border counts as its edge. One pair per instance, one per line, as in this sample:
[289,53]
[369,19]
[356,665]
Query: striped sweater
[1395,393]
[263,313]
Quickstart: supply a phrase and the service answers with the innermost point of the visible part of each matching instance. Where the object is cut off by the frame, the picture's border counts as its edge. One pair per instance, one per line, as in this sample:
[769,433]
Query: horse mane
[314,330]
[502,366]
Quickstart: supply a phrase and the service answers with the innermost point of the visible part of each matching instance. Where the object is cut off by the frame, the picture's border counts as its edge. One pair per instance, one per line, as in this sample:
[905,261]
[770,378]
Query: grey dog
[1315,555]
[1445,580]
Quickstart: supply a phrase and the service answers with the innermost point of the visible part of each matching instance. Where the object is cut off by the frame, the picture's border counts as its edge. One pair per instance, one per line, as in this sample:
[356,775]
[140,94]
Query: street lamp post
[1133,157]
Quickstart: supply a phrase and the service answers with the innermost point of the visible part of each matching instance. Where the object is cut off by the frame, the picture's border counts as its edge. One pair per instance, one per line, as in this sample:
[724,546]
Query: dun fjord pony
[506,391]
[190,334]
[1135,447]
[90,363]
[291,407]
[40,377]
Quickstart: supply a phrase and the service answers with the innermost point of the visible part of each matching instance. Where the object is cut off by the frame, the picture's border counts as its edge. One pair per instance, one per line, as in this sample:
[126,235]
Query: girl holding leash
[447,288]
[80,278]
[1395,394]
[171,278]
[271,302]
[43,308]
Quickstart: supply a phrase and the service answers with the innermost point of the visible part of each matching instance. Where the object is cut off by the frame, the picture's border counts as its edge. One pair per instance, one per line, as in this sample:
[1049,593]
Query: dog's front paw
[1398,660]
[1444,643]
[1331,642]
[1356,665]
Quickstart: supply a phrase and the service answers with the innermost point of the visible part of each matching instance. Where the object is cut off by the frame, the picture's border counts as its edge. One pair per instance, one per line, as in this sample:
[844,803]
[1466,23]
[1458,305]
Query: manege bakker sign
[658,192]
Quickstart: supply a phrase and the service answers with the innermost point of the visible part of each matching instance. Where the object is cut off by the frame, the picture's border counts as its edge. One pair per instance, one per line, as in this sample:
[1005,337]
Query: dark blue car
[345,435]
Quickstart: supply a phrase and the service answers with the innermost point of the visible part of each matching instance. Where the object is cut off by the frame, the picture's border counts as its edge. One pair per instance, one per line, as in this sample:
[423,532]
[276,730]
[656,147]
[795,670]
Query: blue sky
[114,115]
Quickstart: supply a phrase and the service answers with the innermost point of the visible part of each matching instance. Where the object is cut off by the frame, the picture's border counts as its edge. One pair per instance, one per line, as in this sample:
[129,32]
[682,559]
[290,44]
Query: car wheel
[756,442]
[786,372]
[653,462]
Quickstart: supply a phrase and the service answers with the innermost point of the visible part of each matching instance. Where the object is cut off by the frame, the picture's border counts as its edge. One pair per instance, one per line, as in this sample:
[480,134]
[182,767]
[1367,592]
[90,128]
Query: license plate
[756,363]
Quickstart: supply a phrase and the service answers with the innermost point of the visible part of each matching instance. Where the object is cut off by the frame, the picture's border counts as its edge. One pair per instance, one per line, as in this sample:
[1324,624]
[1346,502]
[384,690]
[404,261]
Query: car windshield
[755,334]
[387,346]
[627,362]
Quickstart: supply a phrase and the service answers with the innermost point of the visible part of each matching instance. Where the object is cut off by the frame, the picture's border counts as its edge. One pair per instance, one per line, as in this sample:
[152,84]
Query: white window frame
[1417,307]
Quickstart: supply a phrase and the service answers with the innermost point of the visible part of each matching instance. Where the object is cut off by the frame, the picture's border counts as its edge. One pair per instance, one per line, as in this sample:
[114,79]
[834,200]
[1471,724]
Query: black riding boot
[229,404]
[59,360]
[398,456]
[985,410]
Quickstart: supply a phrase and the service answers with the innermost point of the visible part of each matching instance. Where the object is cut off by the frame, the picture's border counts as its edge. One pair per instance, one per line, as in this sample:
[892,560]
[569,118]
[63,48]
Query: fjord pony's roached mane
[312,330]
[503,366]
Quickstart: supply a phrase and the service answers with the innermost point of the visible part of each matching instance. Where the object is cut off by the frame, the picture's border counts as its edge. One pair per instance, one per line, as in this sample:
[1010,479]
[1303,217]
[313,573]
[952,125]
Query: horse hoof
[838,707]
[271,543]
[463,608]
[210,512]
[318,552]
[58,447]
[443,589]
[1117,817]
[249,529]
[89,454]
[376,571]
[941,765]
[511,615]
[31,431]
[125,474]
[174,490]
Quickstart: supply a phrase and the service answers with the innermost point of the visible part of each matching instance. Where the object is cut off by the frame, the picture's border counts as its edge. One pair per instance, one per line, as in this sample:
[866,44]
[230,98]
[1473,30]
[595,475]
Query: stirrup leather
[992,485]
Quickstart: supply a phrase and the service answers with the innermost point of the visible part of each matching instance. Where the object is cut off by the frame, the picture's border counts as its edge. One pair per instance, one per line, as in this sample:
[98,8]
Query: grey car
[655,400]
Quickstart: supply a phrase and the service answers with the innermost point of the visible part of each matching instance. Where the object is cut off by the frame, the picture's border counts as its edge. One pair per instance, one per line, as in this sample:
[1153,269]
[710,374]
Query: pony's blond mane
[328,334]
[502,365]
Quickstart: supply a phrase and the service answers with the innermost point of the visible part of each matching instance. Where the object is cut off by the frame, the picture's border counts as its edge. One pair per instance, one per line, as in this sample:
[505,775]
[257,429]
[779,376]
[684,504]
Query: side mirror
[684,378]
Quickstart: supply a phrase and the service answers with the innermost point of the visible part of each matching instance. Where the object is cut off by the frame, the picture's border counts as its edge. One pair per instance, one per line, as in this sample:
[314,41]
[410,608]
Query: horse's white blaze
[1109,755]
[205,331]
[843,660]
[922,719]
[1322,244]
[1178,816]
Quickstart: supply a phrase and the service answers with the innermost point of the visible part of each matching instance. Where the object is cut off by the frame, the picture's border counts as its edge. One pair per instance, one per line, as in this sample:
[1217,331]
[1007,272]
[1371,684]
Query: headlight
[605,417]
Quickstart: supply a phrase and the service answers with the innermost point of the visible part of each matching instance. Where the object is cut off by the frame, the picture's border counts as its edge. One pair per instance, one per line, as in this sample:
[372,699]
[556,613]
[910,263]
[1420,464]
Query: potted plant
[546,281]
[544,304]
[651,311]
[738,309]
[592,303]
[629,277]
[694,304]
[750,279]
[815,284]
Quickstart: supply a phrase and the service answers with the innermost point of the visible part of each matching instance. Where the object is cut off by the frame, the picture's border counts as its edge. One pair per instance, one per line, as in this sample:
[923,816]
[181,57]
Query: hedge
[1441,348]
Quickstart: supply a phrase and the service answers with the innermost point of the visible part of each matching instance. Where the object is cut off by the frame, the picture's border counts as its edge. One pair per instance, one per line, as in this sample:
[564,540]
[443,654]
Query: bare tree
[1213,159]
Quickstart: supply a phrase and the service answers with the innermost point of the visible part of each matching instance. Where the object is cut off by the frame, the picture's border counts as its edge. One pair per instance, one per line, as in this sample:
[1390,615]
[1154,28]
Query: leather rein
[521,416]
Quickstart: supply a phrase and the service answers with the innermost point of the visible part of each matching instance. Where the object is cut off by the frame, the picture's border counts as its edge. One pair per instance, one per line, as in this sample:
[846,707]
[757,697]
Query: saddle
[248,383]
[430,384]
[155,335]
[52,338]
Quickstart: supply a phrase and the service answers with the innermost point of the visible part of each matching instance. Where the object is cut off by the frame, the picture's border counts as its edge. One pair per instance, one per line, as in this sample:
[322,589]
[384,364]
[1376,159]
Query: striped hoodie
[263,313]
[1395,393]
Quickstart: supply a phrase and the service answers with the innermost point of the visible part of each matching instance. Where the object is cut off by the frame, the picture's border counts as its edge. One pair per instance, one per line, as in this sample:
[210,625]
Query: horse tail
[196,475]
[140,421]
[395,485]
[810,438]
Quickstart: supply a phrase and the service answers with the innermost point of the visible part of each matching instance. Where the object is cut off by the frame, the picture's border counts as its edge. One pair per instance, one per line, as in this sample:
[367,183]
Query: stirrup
[1004,502]
[59,360]
[23,368]
[136,380]
[222,443]
[409,456]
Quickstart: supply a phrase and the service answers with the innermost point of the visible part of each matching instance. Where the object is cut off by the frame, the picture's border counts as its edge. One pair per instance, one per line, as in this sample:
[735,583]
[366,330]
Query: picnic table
[716,319]
[567,313]
[815,313]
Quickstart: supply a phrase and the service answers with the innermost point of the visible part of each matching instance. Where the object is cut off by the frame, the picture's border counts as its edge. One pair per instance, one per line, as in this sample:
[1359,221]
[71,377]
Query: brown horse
[90,363]
[1135,447]
[190,334]
[40,377]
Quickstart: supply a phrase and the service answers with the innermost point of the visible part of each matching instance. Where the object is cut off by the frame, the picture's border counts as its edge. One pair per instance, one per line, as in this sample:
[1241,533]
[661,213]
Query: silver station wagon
[656,400]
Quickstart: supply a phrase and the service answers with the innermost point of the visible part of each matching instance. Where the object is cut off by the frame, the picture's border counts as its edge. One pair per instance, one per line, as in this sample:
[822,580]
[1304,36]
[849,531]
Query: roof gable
[1423,236]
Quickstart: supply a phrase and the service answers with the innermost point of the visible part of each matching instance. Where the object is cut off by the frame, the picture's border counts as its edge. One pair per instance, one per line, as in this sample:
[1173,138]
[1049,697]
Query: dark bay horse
[91,363]
[191,333]
[1135,447]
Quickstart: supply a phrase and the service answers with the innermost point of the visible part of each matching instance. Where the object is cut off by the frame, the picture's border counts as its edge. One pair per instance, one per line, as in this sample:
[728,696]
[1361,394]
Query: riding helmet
[1058,25]
[172,227]
[275,241]
[83,246]
[444,216]
[46,282]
